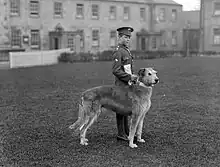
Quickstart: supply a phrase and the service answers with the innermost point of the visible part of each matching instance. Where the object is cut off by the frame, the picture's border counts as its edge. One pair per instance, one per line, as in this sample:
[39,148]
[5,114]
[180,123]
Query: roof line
[135,2]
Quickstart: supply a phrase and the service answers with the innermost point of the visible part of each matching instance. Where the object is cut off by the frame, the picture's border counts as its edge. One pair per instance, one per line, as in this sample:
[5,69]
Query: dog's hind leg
[81,117]
[93,115]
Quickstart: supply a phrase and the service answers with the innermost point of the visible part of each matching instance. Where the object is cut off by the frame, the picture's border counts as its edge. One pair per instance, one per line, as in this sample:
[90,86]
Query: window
[143,14]
[79,10]
[34,7]
[95,38]
[154,42]
[95,11]
[70,41]
[126,13]
[35,39]
[162,14]
[58,9]
[112,12]
[174,38]
[174,15]
[15,7]
[163,38]
[217,8]
[15,37]
[216,36]
[113,38]
[81,33]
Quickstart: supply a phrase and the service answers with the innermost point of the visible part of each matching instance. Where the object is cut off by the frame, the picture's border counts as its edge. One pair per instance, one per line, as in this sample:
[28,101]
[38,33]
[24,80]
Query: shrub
[107,55]
[74,57]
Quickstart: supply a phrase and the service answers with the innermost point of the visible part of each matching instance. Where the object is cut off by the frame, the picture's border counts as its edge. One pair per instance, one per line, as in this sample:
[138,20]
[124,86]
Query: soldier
[123,71]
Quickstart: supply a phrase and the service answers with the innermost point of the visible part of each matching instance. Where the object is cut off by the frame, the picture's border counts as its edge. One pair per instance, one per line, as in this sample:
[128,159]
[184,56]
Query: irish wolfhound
[133,100]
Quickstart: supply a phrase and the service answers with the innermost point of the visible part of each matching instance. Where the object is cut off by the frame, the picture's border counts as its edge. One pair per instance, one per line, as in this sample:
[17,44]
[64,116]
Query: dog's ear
[141,72]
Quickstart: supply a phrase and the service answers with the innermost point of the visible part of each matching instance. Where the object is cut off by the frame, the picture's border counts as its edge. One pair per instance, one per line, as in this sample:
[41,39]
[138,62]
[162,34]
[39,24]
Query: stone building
[91,25]
[4,25]
[210,25]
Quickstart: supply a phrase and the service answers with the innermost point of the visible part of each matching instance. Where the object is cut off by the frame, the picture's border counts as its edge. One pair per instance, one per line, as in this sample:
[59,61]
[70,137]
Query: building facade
[167,20]
[4,25]
[210,24]
[91,25]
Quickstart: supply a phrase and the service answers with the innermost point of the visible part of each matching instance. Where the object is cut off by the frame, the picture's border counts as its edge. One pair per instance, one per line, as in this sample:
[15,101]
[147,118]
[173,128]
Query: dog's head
[148,76]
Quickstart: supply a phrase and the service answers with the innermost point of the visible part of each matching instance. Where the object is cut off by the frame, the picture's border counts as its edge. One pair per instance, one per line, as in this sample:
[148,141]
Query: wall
[4,31]
[35,58]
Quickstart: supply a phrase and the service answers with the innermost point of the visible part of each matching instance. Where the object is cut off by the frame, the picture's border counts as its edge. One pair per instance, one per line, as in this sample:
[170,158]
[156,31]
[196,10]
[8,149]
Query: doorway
[56,43]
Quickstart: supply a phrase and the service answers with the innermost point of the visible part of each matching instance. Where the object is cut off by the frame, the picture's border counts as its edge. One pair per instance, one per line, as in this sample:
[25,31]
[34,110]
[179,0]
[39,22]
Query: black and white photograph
[109,83]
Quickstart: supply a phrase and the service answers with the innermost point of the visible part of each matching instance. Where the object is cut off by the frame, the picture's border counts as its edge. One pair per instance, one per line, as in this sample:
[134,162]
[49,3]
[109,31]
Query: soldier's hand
[134,77]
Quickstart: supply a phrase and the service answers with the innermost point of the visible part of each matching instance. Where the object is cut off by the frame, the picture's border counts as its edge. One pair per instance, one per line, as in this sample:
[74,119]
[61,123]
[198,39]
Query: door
[56,43]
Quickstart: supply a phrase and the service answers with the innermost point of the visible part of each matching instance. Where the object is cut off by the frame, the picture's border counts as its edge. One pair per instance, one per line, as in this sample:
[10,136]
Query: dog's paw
[133,145]
[141,140]
[84,143]
[71,126]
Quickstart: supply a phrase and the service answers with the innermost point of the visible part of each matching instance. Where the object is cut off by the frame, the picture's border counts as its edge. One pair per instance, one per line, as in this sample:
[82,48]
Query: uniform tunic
[123,65]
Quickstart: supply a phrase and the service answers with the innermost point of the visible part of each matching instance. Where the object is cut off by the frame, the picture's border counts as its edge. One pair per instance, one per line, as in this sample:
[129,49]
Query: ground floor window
[113,38]
[174,38]
[35,39]
[70,41]
[154,42]
[216,36]
[95,37]
[15,37]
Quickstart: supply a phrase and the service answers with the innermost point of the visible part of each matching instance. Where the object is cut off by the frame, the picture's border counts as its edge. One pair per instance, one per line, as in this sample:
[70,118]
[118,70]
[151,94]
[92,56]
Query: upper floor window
[216,36]
[79,11]
[143,14]
[217,8]
[14,7]
[174,15]
[126,13]
[34,7]
[112,12]
[95,11]
[58,9]
[162,14]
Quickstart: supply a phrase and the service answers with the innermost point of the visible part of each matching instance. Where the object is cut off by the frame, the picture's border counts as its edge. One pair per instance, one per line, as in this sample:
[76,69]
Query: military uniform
[122,69]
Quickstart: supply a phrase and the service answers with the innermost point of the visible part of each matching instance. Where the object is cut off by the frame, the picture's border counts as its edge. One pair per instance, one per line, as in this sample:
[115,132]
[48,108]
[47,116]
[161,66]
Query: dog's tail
[78,125]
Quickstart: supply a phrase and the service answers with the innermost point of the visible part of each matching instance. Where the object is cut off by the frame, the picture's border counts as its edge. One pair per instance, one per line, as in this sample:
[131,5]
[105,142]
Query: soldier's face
[125,40]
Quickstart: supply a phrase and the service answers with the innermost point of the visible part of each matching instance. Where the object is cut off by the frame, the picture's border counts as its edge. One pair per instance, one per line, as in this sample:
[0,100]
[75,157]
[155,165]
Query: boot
[120,125]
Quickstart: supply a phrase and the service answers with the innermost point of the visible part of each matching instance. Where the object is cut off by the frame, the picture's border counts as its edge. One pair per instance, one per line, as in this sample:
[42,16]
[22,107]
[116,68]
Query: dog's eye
[149,73]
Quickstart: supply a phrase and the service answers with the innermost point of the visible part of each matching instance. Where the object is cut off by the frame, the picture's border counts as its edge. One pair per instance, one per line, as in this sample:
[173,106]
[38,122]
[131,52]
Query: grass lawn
[182,128]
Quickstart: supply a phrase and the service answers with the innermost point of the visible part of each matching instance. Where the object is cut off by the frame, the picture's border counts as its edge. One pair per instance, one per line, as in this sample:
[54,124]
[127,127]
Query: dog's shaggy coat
[133,100]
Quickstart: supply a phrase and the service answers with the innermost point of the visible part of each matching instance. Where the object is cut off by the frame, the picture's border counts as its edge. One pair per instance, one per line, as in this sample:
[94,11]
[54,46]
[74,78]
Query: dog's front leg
[139,130]
[133,127]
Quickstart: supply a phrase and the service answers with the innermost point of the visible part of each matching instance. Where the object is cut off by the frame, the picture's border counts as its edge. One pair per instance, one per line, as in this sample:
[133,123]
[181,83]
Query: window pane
[35,38]
[34,7]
